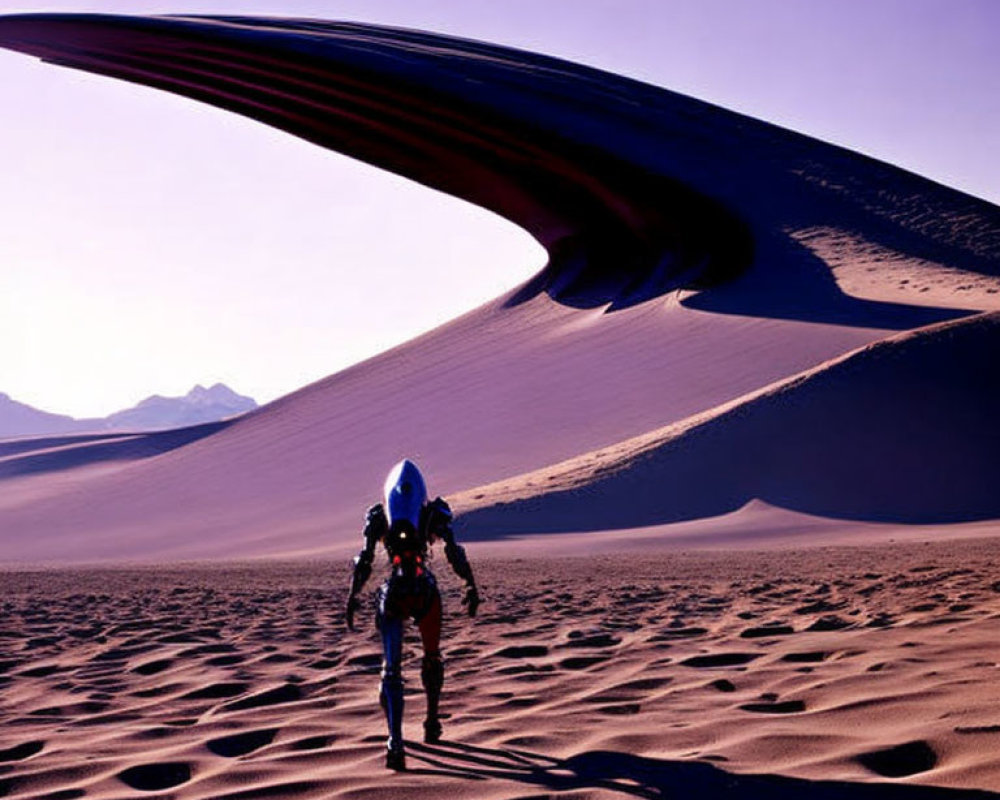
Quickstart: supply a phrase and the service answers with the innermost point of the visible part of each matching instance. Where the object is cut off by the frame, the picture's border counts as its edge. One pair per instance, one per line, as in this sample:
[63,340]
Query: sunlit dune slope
[901,430]
[697,256]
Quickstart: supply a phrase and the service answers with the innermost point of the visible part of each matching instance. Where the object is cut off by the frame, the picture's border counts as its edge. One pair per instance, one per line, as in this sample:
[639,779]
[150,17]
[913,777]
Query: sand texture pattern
[583,677]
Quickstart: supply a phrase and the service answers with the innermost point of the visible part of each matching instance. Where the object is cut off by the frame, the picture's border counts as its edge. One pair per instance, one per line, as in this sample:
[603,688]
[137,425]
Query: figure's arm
[375,527]
[440,526]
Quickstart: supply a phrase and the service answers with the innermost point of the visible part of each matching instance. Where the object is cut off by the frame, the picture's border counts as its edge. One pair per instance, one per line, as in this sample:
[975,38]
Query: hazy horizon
[150,243]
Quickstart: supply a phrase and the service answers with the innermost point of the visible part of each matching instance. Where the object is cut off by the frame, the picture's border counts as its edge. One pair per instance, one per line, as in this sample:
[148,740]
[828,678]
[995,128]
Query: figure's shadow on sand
[651,777]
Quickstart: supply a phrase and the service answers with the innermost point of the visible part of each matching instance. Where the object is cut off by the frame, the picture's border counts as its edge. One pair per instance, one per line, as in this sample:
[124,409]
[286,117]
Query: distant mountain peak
[215,391]
[199,405]
[156,412]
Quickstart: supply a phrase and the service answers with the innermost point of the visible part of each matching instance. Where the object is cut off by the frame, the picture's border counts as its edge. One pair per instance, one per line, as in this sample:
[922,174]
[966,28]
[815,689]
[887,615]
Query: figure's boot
[432,675]
[391,699]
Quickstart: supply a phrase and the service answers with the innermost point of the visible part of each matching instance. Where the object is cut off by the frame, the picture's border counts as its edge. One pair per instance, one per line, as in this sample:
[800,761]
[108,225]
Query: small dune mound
[901,760]
[156,777]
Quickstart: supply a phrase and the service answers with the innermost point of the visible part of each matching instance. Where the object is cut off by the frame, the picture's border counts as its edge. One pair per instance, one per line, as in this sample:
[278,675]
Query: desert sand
[726,468]
[685,674]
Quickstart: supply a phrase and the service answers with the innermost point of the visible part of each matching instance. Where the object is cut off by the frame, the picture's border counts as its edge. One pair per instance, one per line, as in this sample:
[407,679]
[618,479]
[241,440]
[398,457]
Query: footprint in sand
[368,661]
[829,623]
[521,669]
[786,707]
[901,760]
[279,658]
[155,777]
[287,693]
[523,651]
[323,664]
[21,751]
[767,630]
[719,660]
[153,667]
[217,691]
[597,640]
[311,743]
[644,684]
[209,650]
[582,662]
[621,709]
[672,634]
[241,744]
[42,672]
[157,691]
[806,658]
[225,661]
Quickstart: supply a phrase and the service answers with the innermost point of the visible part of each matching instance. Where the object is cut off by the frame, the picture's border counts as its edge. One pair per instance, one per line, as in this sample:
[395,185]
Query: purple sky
[148,243]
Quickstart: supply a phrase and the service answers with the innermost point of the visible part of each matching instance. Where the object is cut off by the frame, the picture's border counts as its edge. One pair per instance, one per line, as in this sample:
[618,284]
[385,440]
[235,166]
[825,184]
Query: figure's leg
[391,695]
[432,668]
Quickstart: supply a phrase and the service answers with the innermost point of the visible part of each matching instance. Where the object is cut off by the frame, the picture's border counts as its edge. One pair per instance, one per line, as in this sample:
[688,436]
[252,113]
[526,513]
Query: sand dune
[902,430]
[696,256]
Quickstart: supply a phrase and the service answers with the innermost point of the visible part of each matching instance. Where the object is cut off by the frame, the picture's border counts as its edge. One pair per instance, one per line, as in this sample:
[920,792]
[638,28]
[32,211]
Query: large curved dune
[697,256]
[743,337]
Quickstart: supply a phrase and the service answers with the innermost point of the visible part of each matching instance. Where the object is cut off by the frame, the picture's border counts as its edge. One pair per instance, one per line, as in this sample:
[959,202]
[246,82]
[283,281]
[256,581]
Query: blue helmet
[405,494]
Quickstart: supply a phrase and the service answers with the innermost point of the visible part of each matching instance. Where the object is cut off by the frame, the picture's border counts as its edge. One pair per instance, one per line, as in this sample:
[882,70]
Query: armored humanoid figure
[408,525]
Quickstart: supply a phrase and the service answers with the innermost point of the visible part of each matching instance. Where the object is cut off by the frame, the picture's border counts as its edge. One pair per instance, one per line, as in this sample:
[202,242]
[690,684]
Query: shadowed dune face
[904,430]
[19,457]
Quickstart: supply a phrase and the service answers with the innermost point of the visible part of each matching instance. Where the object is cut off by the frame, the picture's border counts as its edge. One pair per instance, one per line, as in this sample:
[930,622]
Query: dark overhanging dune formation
[414,104]
[633,190]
